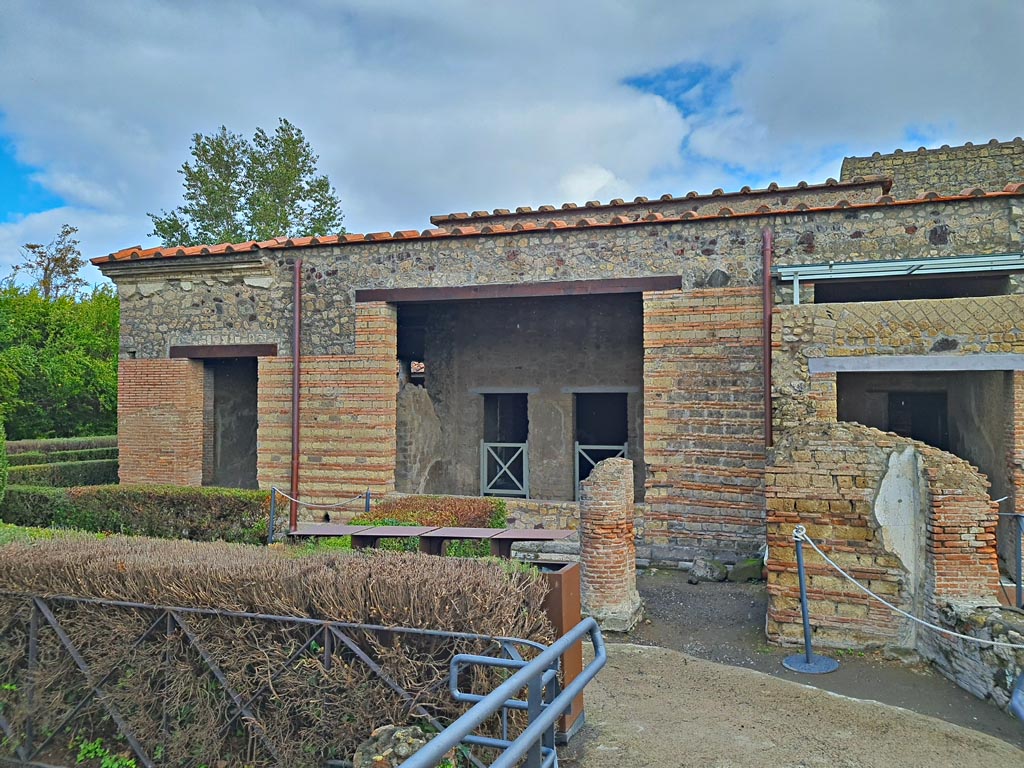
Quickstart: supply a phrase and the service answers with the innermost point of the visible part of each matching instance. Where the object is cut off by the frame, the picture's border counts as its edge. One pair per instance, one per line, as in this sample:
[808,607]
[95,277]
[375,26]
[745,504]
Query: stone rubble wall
[830,478]
[982,325]
[989,672]
[418,442]
[947,170]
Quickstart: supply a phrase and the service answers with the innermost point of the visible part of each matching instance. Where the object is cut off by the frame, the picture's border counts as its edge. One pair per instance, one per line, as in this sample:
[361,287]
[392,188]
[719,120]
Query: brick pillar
[607,548]
[160,421]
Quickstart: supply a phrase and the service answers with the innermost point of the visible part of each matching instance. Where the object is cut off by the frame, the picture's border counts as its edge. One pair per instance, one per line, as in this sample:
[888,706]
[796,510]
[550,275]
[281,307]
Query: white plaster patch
[259,282]
[898,511]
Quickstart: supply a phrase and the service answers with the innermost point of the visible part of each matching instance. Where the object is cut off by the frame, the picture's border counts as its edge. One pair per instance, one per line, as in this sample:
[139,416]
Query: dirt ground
[671,705]
[658,708]
[725,623]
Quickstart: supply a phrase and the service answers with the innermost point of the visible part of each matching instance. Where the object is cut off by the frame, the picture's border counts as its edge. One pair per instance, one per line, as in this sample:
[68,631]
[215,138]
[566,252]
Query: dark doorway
[504,469]
[233,461]
[920,416]
[601,428]
[505,418]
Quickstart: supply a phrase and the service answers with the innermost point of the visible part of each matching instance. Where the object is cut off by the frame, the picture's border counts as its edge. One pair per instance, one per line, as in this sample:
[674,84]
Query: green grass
[9,533]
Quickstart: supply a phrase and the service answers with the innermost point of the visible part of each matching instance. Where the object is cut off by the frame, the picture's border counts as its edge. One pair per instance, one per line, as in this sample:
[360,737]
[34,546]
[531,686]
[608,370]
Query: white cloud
[430,107]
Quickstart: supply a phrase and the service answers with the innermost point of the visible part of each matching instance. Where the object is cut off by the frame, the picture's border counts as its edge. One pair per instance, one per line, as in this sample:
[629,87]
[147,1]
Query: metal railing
[545,702]
[504,469]
[588,457]
[293,519]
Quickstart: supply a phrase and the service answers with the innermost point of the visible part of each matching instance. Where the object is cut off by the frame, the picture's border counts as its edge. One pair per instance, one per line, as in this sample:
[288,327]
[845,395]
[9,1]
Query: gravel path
[660,708]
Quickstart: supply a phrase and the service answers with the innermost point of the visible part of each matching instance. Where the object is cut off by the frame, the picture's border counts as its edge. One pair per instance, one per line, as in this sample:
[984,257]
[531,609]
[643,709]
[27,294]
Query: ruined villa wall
[948,170]
[912,523]
[703,447]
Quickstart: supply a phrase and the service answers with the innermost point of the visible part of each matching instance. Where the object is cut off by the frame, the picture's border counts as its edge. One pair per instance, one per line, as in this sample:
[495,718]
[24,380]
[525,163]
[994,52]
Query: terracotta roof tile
[546,208]
[136,253]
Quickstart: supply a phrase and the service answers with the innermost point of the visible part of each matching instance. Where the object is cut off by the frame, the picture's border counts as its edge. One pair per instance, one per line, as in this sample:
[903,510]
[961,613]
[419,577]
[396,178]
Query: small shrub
[43,457]
[33,505]
[62,444]
[440,511]
[65,474]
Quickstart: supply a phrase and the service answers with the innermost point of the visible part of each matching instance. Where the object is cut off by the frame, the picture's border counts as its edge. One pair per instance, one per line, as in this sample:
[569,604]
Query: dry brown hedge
[172,701]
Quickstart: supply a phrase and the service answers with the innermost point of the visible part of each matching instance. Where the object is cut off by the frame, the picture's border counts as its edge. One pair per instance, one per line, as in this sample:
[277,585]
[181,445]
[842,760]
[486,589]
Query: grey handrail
[434,751]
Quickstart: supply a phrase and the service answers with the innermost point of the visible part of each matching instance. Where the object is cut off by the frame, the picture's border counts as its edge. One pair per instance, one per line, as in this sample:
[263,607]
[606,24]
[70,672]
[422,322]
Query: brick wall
[160,421]
[347,415]
[829,477]
[947,170]
[703,424]
[607,547]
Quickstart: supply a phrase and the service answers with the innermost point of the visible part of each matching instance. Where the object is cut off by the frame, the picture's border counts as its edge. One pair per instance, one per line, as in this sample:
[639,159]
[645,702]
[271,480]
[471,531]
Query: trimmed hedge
[42,457]
[66,474]
[169,512]
[62,444]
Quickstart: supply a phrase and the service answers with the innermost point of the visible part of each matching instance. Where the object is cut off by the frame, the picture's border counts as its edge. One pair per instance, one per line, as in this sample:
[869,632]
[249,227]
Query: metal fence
[588,457]
[27,743]
[504,469]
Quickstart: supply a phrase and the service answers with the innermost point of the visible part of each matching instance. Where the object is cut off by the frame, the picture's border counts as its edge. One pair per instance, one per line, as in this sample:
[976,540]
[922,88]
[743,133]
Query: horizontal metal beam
[852,270]
[214,351]
[523,290]
[916,363]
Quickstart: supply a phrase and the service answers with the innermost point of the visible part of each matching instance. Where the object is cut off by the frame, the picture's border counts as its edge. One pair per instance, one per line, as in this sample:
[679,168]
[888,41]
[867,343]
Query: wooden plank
[213,351]
[523,290]
[327,529]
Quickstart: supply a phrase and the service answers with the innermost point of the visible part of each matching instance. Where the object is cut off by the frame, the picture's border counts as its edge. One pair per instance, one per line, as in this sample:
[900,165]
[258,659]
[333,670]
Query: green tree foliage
[238,190]
[58,363]
[3,461]
[54,267]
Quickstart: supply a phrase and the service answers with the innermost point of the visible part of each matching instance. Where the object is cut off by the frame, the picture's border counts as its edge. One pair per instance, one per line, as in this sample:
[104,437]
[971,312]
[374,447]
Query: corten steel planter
[563,608]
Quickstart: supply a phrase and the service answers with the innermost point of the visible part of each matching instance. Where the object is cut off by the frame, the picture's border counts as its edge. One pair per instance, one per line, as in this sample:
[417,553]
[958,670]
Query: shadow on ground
[725,623]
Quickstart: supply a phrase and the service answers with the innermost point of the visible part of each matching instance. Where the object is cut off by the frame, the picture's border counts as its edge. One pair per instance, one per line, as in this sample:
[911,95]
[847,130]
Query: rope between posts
[320,506]
[801,533]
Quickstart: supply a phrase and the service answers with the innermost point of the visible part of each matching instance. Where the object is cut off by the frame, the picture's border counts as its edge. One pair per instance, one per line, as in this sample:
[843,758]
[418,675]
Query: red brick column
[607,547]
[160,421]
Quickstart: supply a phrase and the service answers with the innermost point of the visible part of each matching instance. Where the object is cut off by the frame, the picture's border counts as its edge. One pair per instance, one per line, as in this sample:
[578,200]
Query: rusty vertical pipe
[293,519]
[768,301]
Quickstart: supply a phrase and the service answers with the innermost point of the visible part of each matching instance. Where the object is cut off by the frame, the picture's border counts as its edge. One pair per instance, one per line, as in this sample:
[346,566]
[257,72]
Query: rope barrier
[309,505]
[800,532]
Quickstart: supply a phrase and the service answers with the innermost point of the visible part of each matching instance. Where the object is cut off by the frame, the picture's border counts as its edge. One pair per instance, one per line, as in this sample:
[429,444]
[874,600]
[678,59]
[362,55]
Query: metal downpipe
[767,302]
[293,517]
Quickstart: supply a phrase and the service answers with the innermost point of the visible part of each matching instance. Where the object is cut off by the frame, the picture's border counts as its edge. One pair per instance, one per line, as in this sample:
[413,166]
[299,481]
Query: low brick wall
[911,522]
[607,547]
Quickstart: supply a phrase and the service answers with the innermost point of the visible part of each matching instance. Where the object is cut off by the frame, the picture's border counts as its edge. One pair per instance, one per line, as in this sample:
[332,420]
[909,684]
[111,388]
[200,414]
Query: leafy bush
[44,457]
[65,474]
[3,462]
[52,444]
[309,712]
[201,514]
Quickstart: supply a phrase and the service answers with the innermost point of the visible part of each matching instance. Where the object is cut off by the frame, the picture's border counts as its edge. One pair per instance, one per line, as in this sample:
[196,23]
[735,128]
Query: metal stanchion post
[273,515]
[809,663]
[1020,586]
[367,505]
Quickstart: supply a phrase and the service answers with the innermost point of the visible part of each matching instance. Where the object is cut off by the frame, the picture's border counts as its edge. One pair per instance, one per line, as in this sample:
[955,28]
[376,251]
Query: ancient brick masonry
[828,477]
[608,552]
[347,415]
[160,421]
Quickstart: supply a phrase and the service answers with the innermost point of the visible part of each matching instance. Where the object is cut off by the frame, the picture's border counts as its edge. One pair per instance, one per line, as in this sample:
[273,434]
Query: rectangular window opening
[909,288]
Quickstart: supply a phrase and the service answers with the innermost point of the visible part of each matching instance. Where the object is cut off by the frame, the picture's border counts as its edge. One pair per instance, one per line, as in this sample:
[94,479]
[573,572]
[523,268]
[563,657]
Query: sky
[421,107]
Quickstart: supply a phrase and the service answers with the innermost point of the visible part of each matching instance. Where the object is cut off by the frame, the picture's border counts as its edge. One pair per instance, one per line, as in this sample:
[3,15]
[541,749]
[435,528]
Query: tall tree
[237,190]
[54,267]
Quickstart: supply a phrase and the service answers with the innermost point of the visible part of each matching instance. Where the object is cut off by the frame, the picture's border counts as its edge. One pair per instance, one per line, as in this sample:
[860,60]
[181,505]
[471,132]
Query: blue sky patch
[20,195]
[691,88]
